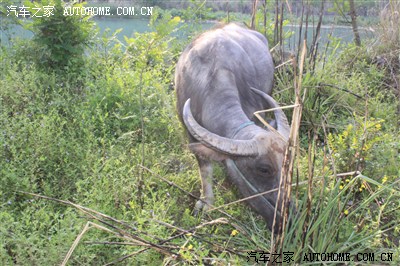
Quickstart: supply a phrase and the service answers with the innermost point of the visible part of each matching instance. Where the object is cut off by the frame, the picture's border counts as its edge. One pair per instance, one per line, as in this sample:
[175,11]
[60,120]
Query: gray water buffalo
[221,79]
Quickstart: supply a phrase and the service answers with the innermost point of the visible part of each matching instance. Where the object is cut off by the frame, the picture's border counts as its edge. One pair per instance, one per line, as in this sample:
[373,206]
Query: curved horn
[216,142]
[281,119]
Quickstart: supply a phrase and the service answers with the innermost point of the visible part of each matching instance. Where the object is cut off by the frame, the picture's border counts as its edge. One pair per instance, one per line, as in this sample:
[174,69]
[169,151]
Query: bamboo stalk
[284,192]
[265,123]
[75,244]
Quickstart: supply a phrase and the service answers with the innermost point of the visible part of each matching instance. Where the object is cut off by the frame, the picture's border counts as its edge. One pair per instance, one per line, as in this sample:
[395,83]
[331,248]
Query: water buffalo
[221,79]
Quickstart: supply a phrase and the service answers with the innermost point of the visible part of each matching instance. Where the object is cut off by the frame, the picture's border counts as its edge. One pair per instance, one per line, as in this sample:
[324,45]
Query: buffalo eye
[264,169]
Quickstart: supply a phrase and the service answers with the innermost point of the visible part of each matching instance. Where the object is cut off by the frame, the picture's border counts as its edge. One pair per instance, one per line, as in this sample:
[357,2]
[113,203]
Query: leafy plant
[359,148]
[61,38]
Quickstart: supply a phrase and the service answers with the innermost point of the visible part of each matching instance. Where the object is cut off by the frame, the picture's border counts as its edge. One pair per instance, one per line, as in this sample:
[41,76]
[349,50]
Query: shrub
[61,39]
[359,148]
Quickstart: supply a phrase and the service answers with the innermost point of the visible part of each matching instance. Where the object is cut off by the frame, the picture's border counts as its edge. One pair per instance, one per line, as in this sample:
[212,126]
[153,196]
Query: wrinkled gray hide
[221,79]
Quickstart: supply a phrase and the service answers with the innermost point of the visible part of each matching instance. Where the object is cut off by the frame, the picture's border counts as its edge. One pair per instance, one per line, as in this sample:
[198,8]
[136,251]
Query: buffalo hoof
[201,206]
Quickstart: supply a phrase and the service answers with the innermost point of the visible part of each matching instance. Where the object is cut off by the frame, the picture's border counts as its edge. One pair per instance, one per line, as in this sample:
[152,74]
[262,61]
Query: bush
[360,147]
[61,39]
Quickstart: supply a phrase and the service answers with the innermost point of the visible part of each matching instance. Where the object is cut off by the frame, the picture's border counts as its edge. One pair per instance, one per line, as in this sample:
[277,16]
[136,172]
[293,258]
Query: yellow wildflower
[346,212]
[234,232]
[340,187]
[190,247]
[384,179]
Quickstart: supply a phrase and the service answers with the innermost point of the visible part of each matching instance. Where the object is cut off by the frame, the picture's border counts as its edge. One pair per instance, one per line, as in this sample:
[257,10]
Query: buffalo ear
[207,153]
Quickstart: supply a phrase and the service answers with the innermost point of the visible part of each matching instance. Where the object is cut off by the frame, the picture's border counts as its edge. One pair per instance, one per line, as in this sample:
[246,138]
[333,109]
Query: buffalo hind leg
[207,195]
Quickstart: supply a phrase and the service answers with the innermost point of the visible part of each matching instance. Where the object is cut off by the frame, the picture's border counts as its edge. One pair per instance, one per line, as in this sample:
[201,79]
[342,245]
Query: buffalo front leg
[207,195]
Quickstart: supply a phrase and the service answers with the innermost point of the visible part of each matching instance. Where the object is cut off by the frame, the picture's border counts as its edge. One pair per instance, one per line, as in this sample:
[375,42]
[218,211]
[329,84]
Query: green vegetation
[60,40]
[105,135]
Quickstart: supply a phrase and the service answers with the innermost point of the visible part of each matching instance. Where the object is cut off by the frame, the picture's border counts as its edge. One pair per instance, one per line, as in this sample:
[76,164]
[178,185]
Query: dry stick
[276,189]
[276,28]
[284,63]
[183,232]
[126,244]
[265,123]
[339,88]
[282,47]
[85,229]
[325,55]
[251,197]
[188,231]
[314,44]
[116,243]
[306,29]
[89,212]
[227,11]
[192,231]
[120,231]
[305,90]
[273,48]
[289,8]
[253,14]
[216,221]
[82,208]
[126,257]
[197,198]
[137,239]
[78,238]
[300,29]
[265,18]
[164,241]
[287,166]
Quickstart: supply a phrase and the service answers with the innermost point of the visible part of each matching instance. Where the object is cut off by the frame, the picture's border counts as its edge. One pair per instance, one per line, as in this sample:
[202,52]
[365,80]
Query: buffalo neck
[230,121]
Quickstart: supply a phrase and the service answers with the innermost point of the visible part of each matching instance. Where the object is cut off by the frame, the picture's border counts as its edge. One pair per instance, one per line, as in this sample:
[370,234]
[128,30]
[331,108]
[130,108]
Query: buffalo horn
[216,142]
[281,119]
